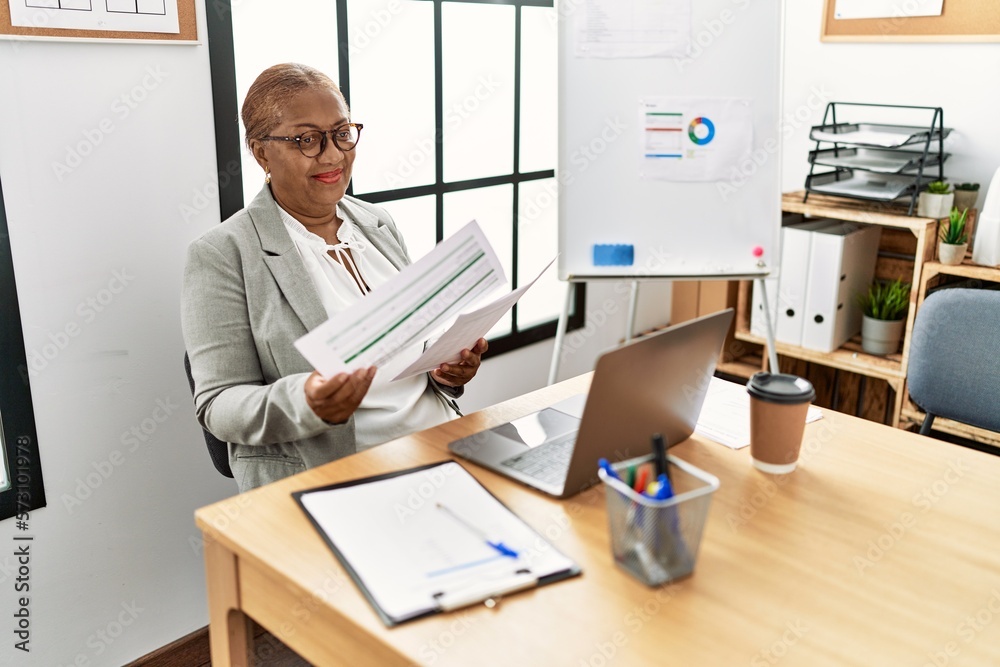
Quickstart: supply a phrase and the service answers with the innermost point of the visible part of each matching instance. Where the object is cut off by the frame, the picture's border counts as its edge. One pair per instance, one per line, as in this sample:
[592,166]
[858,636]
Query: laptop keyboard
[548,462]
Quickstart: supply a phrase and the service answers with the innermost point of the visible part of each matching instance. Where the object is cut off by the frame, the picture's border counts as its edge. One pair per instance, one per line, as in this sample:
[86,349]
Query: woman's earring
[267,177]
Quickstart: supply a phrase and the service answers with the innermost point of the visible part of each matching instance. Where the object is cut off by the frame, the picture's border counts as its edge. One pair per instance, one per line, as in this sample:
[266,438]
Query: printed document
[414,305]
[877,9]
[633,28]
[467,329]
[725,416]
[694,138]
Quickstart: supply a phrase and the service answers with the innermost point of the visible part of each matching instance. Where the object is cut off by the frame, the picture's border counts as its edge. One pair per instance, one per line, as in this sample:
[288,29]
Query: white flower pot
[881,337]
[934,206]
[950,253]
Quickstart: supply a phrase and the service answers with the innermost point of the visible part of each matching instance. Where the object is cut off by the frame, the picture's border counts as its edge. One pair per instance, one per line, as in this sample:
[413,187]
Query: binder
[429,539]
[796,241]
[841,266]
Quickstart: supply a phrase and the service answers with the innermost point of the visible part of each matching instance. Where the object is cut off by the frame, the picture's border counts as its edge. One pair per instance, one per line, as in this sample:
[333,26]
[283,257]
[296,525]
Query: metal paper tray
[876,135]
[864,185]
[878,160]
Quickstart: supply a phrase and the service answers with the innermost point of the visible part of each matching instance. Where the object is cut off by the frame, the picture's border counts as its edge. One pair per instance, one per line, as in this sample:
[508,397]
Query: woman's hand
[335,399]
[456,375]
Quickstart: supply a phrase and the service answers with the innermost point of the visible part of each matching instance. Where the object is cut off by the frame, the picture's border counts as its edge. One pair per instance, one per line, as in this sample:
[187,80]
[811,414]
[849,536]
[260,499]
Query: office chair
[217,449]
[954,363]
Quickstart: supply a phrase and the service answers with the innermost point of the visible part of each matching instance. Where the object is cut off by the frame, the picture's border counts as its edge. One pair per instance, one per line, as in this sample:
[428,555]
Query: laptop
[656,384]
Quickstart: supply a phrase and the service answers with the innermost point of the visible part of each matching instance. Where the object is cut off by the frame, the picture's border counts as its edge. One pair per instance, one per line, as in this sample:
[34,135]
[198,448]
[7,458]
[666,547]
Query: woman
[301,252]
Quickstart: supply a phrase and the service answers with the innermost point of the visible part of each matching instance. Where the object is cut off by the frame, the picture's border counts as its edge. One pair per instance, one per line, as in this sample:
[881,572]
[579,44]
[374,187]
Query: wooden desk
[883,548]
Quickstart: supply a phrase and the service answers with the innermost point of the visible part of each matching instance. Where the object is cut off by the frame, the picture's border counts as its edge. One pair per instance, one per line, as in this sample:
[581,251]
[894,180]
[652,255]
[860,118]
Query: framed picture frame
[964,21]
[21,487]
[44,13]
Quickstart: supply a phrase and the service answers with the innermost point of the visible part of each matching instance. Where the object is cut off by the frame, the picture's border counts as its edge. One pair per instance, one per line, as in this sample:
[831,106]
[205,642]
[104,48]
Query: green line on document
[479,282]
[420,305]
[416,282]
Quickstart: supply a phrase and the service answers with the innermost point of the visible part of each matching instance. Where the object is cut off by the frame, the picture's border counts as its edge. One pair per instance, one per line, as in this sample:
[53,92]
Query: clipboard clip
[488,592]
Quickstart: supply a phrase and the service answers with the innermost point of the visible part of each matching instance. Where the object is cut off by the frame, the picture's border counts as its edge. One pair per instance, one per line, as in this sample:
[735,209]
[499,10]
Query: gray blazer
[246,298]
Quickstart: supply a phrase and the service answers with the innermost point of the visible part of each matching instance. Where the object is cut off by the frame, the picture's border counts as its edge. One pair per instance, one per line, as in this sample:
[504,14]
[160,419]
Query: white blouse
[390,409]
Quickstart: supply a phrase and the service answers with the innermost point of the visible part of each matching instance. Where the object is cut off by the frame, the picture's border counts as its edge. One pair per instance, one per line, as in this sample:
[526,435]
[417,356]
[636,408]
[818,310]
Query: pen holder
[657,541]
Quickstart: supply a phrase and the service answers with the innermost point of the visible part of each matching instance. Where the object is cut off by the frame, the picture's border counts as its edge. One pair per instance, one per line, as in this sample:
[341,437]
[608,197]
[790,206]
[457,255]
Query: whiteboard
[613,196]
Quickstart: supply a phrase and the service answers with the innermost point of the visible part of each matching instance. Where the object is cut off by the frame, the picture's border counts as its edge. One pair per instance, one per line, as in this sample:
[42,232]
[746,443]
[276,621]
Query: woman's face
[308,186]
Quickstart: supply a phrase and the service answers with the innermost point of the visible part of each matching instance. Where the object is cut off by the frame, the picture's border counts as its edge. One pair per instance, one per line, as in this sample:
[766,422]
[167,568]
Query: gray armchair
[954,362]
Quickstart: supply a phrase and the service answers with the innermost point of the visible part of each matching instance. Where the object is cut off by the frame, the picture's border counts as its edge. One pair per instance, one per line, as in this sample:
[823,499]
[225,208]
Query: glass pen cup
[657,541]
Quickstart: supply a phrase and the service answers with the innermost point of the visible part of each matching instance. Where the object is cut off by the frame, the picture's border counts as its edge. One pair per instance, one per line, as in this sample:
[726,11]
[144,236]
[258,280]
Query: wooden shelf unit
[914,238]
[906,251]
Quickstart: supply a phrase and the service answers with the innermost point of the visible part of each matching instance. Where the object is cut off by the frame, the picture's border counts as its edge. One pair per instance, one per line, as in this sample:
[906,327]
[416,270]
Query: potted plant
[884,307]
[954,238]
[935,201]
[966,195]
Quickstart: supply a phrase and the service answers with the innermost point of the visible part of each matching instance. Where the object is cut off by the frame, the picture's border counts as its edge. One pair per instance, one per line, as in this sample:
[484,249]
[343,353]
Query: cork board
[186,17]
[960,21]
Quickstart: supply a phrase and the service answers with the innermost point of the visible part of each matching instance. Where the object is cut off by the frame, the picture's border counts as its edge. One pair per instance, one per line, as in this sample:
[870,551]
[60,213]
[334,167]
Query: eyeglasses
[313,142]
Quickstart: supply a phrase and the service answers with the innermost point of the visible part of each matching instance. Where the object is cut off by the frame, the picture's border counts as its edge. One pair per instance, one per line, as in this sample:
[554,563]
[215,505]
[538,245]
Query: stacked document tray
[865,185]
[877,135]
[876,161]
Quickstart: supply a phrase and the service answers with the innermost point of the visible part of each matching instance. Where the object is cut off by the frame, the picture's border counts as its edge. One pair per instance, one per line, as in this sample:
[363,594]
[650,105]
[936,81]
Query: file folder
[796,241]
[841,266]
[429,539]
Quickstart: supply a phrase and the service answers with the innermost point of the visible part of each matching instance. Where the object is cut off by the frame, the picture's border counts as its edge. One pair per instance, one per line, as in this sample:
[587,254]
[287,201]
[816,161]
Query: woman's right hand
[335,399]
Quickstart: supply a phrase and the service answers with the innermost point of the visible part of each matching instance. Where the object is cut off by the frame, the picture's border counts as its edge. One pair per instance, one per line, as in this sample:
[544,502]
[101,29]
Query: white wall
[98,247]
[960,78]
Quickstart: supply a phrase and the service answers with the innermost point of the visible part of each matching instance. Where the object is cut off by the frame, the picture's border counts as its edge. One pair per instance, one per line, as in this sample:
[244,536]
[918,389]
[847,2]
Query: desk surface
[883,548]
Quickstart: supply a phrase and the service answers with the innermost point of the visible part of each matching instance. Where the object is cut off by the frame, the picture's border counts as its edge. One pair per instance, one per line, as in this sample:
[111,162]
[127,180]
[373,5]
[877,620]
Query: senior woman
[301,252]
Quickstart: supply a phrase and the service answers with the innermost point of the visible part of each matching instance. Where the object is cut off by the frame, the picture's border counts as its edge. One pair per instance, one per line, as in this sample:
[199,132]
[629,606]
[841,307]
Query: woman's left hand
[456,375]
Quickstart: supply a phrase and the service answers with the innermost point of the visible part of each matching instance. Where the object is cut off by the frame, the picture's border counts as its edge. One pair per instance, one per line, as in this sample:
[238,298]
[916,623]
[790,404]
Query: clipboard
[430,539]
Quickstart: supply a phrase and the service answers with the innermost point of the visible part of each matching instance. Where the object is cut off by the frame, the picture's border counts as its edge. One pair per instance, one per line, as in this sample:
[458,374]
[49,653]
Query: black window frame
[229,145]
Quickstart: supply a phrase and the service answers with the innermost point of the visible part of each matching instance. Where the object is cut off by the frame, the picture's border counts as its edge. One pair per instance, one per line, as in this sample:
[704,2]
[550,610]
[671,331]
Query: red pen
[641,479]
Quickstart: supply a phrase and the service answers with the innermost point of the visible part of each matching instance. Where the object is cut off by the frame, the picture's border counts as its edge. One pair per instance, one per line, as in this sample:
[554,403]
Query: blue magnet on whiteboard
[618,254]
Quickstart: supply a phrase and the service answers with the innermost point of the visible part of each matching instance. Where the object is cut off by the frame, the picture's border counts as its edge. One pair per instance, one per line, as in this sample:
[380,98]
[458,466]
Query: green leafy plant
[971,187]
[954,233]
[938,188]
[886,300]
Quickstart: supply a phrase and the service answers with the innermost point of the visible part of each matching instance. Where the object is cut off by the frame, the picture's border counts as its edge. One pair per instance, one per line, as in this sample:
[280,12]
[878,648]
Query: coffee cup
[778,406]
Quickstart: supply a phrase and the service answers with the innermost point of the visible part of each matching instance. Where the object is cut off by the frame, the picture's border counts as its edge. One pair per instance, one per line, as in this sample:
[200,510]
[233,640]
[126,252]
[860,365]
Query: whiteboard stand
[563,321]
[772,354]
[561,331]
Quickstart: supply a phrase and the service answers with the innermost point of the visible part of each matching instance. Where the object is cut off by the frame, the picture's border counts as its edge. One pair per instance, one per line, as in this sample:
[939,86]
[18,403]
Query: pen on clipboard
[499,546]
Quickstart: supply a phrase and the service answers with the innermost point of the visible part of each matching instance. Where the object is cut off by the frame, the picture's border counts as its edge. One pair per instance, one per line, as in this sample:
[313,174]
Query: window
[460,121]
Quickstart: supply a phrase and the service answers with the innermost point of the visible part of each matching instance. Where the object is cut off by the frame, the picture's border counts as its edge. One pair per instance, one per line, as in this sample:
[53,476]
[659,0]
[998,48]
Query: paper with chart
[101,15]
[467,329]
[877,9]
[408,308]
[694,138]
[633,28]
[408,539]
[725,415]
